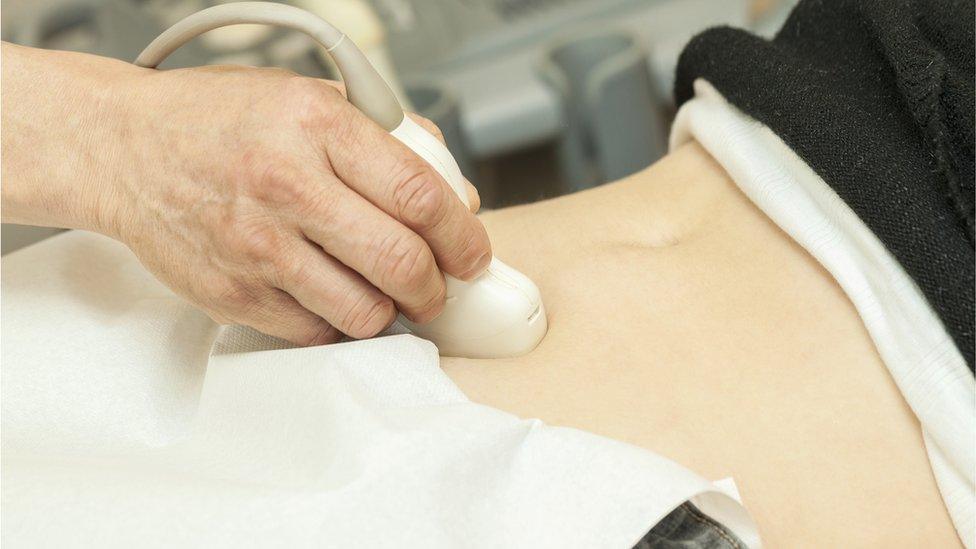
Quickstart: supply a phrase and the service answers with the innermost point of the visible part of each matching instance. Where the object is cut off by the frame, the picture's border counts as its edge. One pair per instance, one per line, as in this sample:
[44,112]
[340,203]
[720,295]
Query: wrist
[64,129]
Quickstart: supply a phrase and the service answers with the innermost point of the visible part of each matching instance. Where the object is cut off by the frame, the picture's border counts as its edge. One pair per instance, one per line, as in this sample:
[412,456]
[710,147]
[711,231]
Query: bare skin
[684,321]
[263,197]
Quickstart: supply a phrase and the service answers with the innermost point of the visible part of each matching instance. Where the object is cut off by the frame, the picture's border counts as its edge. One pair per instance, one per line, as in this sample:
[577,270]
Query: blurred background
[536,98]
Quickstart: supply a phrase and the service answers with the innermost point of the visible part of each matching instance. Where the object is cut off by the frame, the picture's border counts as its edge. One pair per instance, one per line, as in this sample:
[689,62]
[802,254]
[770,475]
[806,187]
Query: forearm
[63,127]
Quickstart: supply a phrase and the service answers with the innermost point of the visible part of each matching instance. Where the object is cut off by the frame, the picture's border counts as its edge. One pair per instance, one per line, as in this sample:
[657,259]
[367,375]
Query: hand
[268,200]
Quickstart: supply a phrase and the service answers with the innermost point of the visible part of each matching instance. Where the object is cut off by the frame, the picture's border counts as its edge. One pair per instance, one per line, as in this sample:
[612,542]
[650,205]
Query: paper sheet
[130,419]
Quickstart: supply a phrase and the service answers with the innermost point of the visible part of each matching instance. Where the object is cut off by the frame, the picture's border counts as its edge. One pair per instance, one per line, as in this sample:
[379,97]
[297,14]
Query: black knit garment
[877,97]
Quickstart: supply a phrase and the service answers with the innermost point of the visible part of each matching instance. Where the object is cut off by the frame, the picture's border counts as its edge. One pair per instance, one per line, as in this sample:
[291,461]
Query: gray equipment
[613,125]
[488,52]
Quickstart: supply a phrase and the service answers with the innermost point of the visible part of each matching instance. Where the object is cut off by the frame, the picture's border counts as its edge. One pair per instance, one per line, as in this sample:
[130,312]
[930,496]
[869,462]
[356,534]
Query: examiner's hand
[268,200]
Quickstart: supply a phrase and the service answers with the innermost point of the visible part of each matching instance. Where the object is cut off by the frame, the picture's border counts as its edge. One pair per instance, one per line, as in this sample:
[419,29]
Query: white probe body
[500,313]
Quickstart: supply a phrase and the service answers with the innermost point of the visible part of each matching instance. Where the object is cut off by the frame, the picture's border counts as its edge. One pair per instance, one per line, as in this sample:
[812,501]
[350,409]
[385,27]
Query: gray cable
[365,88]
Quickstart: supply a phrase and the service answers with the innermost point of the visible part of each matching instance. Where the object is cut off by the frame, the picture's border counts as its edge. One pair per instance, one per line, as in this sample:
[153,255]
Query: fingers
[334,292]
[391,257]
[404,186]
[275,313]
[316,301]
[474,199]
[428,125]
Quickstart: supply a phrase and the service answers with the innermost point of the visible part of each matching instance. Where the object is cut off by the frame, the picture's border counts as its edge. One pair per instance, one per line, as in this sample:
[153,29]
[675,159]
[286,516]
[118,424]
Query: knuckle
[277,184]
[418,195]
[255,241]
[368,316]
[274,182]
[406,264]
[295,272]
[314,102]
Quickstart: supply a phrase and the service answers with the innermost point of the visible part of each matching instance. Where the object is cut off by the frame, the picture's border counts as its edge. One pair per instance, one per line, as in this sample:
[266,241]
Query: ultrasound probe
[500,313]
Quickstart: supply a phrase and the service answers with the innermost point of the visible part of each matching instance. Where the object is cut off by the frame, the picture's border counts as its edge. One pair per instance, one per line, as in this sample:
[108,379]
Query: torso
[684,321]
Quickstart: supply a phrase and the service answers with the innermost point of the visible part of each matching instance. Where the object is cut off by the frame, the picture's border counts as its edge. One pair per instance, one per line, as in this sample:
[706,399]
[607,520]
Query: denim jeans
[688,528]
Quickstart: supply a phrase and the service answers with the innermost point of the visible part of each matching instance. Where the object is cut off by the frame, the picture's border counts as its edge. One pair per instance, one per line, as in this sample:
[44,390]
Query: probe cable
[365,88]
